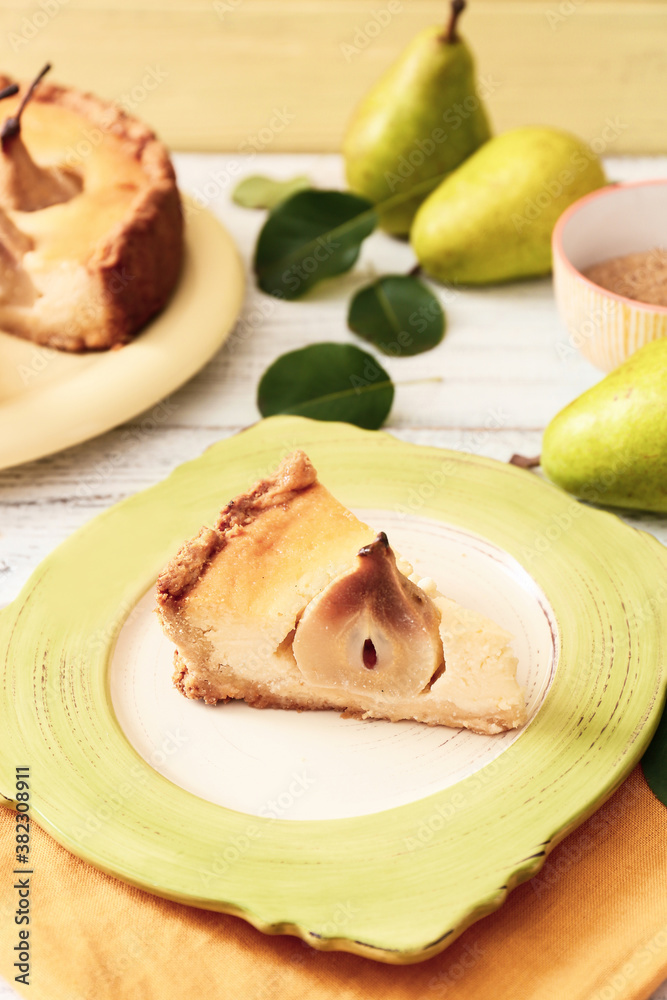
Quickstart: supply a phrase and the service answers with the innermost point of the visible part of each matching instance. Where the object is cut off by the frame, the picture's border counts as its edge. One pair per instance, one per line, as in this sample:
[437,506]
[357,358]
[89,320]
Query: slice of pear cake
[290,601]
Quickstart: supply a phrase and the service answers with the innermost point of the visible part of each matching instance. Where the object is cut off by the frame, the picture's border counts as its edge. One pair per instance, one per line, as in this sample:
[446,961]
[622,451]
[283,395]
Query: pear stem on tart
[12,126]
[105,220]
[9,91]
[24,185]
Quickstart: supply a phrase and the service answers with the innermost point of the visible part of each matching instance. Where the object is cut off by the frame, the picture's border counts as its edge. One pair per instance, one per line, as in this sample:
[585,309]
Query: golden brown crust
[232,690]
[194,686]
[187,565]
[294,474]
[197,689]
[136,265]
[140,262]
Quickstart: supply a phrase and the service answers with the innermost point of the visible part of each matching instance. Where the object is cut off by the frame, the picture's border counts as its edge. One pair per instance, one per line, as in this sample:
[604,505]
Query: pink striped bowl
[616,220]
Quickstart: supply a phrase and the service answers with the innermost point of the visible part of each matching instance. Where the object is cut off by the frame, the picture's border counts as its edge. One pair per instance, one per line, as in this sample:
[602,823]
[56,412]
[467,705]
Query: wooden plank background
[276,75]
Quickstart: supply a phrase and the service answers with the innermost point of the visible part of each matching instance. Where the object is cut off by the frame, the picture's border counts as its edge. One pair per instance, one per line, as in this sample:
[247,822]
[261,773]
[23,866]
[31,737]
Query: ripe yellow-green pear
[491,220]
[609,446]
[419,121]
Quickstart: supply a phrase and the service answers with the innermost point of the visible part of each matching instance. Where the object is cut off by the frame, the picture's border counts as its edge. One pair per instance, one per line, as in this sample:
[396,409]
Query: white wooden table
[506,367]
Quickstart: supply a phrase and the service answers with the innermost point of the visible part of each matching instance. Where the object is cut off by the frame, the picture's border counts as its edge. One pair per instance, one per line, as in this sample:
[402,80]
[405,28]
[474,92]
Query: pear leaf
[263,192]
[311,236]
[399,314]
[327,382]
[654,761]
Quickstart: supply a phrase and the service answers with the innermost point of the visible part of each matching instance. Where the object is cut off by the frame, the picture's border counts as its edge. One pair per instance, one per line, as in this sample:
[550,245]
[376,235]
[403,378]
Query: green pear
[609,446]
[491,220]
[419,121]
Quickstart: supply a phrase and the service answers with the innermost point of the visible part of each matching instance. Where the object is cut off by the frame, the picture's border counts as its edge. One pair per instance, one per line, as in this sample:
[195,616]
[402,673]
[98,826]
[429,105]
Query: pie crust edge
[147,245]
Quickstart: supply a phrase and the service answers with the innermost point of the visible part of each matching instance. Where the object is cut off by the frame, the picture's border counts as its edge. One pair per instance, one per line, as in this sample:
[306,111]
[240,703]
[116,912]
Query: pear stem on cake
[24,185]
[12,126]
[9,91]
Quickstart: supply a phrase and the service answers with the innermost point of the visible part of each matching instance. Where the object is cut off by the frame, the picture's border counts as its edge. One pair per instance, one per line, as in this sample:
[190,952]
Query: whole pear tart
[290,601]
[91,229]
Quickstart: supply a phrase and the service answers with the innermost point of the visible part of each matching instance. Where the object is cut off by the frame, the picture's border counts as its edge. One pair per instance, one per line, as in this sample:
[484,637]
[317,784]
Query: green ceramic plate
[384,840]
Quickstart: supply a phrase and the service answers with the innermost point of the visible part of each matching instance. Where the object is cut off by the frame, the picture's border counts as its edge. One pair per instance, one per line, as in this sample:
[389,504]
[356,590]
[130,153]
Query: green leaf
[399,314]
[311,236]
[654,761]
[328,382]
[263,192]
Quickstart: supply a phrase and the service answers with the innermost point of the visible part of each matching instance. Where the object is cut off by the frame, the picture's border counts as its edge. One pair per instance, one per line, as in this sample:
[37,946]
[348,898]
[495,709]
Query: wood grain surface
[277,75]
[506,368]
[603,702]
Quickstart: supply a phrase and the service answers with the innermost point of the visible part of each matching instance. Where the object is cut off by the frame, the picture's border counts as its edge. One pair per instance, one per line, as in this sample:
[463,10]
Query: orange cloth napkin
[592,925]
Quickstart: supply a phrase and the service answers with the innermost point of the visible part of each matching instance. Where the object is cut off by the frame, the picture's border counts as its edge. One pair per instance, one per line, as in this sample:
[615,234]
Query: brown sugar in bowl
[620,220]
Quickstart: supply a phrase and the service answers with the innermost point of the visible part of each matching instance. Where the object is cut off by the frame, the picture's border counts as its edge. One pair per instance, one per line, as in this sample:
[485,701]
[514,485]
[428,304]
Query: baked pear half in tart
[91,228]
[291,602]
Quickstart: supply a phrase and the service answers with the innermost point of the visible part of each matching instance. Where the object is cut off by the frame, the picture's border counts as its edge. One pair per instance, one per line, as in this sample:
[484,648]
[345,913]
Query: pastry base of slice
[232,599]
[477,690]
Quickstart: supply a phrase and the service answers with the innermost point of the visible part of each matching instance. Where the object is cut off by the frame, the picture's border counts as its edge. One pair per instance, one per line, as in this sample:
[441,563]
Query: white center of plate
[315,765]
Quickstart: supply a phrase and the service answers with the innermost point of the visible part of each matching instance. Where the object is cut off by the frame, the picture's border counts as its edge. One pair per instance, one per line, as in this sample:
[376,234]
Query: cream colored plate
[416,840]
[318,765]
[50,400]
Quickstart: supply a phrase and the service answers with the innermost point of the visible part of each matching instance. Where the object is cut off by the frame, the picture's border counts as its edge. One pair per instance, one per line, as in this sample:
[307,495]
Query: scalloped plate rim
[491,899]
